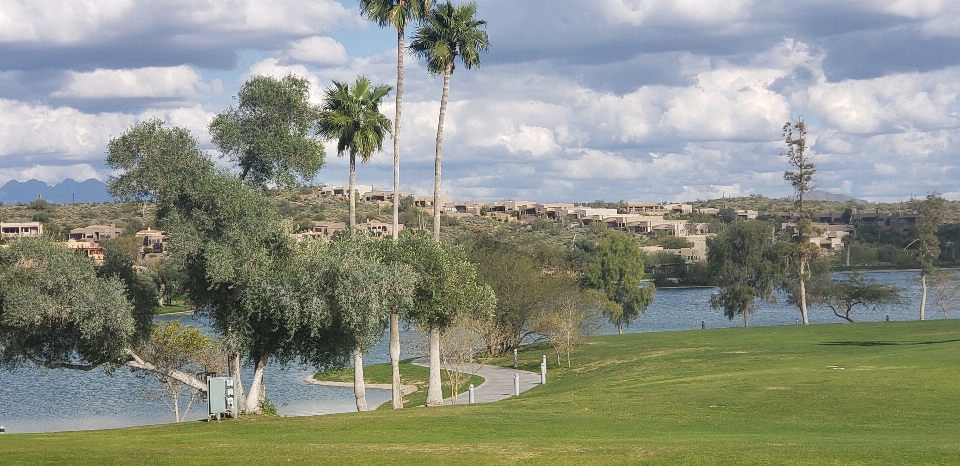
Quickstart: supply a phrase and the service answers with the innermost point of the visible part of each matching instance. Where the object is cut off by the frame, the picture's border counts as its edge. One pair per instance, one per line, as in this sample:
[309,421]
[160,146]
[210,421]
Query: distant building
[151,238]
[95,233]
[20,229]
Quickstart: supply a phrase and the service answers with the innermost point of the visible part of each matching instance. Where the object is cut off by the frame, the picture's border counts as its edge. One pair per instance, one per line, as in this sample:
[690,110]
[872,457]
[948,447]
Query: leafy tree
[946,289]
[842,296]
[362,291]
[671,242]
[739,260]
[568,322]
[235,252]
[269,135]
[57,313]
[351,115]
[446,289]
[795,138]
[614,272]
[448,32]
[727,215]
[187,349]
[525,283]
[927,249]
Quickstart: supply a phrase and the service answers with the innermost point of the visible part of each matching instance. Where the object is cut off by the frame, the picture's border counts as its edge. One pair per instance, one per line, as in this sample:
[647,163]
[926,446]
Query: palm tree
[448,32]
[395,13]
[352,116]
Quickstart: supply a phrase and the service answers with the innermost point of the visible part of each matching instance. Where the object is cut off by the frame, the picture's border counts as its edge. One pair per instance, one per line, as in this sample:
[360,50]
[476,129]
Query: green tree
[802,252]
[235,252]
[57,312]
[446,289]
[270,134]
[351,115]
[187,349]
[569,320]
[448,32]
[927,249]
[842,296]
[739,260]
[362,290]
[525,283]
[614,272]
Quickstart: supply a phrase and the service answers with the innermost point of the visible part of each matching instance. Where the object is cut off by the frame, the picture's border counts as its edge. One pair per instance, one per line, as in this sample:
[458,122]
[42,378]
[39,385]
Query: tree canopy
[615,272]
[738,258]
[270,134]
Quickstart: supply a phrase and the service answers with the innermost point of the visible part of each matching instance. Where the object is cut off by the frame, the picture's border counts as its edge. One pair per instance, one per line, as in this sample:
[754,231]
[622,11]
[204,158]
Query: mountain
[67,191]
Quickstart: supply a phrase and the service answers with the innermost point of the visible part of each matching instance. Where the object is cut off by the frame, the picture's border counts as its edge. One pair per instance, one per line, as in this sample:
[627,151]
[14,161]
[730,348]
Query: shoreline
[404,389]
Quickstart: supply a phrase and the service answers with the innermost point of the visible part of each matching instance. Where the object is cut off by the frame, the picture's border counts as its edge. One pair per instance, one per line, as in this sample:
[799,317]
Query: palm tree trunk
[436,173]
[434,392]
[396,137]
[394,317]
[359,388]
[350,188]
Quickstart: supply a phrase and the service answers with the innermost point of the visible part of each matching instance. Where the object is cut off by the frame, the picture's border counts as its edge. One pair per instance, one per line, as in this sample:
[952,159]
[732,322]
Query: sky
[637,100]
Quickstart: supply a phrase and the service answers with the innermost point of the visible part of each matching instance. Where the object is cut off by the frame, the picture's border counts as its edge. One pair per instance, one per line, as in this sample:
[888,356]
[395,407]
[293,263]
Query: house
[424,202]
[553,211]
[322,230]
[747,214]
[379,228]
[360,189]
[95,233]
[88,249]
[382,196]
[151,238]
[20,229]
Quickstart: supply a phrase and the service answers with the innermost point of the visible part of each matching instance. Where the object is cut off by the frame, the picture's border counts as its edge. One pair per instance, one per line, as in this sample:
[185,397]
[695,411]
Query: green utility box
[220,397]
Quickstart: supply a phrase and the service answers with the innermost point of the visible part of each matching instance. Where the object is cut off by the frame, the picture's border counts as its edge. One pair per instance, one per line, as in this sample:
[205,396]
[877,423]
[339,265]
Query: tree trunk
[233,368]
[359,388]
[923,292]
[394,317]
[395,359]
[746,321]
[849,246]
[434,391]
[137,362]
[803,292]
[257,387]
[396,151]
[619,328]
[436,170]
[350,189]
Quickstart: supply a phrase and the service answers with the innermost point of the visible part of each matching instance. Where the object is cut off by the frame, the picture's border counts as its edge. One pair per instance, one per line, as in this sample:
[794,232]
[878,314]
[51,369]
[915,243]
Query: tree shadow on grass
[886,343]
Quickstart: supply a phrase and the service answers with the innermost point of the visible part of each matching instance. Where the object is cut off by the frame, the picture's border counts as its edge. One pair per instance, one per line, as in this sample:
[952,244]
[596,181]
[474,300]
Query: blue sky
[610,99]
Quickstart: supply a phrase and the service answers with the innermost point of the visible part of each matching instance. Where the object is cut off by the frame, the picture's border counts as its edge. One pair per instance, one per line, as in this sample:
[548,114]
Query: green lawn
[865,393]
[410,374]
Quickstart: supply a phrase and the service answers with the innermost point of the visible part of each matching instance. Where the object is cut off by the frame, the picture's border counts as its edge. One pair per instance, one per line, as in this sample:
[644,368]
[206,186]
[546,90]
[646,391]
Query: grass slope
[866,393]
[410,374]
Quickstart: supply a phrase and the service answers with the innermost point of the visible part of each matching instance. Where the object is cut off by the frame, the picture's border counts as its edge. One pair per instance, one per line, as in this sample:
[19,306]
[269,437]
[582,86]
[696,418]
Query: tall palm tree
[396,14]
[352,117]
[448,32]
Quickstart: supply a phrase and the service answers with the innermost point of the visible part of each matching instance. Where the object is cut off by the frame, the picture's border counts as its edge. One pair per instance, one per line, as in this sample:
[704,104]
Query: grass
[410,374]
[173,309]
[865,393]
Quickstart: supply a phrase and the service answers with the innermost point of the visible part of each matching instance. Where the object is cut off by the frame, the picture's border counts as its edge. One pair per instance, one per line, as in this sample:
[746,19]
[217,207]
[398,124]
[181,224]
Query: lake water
[39,400]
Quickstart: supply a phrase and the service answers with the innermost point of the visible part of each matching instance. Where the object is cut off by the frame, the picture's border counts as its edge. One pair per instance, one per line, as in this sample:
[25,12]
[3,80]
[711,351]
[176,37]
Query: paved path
[497,385]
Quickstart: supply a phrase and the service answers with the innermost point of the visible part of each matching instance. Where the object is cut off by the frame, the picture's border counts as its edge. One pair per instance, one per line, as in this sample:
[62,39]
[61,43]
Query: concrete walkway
[497,385]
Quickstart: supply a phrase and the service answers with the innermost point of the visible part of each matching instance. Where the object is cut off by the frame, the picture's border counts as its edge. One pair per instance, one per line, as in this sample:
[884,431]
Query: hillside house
[95,233]
[20,229]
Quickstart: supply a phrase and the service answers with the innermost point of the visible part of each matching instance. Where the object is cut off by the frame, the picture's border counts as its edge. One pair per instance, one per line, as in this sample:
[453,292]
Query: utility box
[221,398]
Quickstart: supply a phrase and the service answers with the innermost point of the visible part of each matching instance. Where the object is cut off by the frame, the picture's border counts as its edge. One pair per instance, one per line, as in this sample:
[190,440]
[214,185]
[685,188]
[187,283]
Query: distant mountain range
[67,191]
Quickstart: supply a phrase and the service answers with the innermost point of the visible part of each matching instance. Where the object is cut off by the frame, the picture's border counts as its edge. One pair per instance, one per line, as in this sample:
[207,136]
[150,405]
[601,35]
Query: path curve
[497,385]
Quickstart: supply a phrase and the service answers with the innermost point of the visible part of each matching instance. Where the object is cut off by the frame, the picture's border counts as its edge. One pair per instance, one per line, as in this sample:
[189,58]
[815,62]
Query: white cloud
[319,50]
[640,12]
[59,21]
[151,82]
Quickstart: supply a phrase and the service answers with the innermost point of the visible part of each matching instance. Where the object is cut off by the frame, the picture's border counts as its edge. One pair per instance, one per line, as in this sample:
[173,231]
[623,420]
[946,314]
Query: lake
[40,400]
